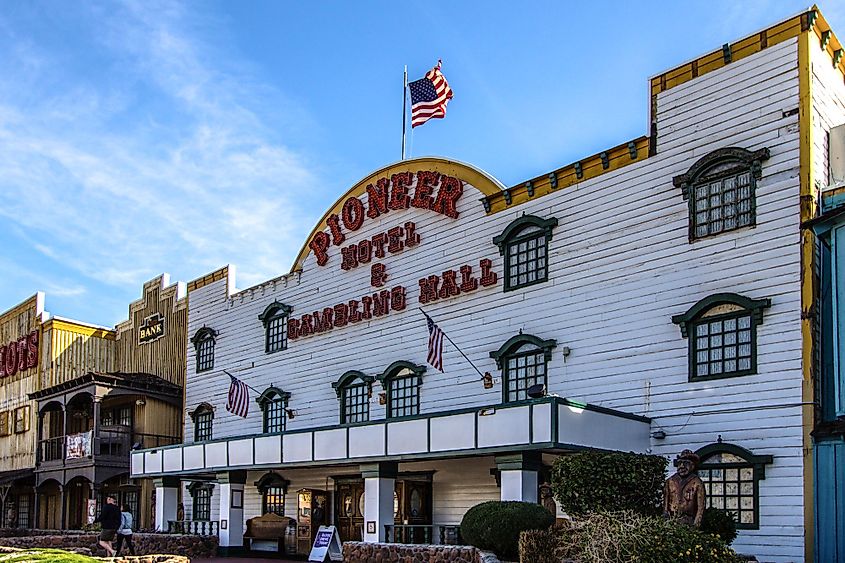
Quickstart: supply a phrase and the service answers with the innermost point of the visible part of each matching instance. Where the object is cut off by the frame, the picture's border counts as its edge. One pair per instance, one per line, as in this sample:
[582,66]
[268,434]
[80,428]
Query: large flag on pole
[429,96]
[435,344]
[238,402]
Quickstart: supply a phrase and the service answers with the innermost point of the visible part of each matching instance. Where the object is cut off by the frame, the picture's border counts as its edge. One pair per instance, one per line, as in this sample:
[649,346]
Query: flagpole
[242,381]
[404,108]
[456,347]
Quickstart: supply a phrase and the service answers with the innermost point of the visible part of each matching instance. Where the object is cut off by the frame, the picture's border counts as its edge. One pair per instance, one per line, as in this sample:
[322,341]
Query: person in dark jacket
[109,519]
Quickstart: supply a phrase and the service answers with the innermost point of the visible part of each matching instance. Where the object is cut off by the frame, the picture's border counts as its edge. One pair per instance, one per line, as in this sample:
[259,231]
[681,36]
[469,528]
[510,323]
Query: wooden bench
[268,532]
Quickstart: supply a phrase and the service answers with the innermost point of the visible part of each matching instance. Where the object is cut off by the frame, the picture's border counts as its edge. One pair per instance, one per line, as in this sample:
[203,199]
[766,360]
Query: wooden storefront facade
[82,397]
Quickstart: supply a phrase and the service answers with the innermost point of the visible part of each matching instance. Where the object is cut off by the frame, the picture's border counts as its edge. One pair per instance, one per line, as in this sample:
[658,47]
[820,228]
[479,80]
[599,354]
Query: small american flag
[435,344]
[238,402]
[429,96]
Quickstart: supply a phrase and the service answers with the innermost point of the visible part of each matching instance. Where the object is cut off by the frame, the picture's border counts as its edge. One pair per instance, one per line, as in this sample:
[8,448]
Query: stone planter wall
[145,544]
[358,552]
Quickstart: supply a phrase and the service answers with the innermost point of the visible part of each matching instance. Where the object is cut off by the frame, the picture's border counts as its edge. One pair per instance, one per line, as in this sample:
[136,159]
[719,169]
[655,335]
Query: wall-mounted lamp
[382,398]
[488,380]
[658,435]
[140,402]
[291,414]
[537,391]
[489,411]
[565,351]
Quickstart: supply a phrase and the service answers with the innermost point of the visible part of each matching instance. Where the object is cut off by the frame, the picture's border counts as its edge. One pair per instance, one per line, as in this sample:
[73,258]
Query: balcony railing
[422,534]
[115,442]
[193,527]
[53,449]
[143,441]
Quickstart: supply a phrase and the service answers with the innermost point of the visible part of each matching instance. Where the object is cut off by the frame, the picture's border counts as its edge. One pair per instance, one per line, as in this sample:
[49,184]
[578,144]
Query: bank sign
[152,329]
[424,190]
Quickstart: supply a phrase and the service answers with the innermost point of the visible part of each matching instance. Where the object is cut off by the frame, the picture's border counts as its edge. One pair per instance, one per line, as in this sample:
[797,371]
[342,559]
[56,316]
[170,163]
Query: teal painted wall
[830,500]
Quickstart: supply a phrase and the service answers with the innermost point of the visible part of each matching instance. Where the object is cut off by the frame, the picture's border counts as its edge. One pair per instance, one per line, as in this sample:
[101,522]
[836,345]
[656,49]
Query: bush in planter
[627,537]
[719,523]
[495,525]
[604,482]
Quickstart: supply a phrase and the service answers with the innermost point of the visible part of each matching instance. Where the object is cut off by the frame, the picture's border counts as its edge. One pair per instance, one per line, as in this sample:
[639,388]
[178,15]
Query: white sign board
[326,542]
[92,510]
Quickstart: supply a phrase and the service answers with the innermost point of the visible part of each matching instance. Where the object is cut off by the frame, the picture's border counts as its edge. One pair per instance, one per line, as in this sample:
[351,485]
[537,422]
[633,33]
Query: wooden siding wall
[620,266]
[828,107]
[17,451]
[73,349]
[158,417]
[164,357]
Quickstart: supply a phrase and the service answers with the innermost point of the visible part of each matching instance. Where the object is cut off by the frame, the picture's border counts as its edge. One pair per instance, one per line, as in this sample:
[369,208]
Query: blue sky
[146,137]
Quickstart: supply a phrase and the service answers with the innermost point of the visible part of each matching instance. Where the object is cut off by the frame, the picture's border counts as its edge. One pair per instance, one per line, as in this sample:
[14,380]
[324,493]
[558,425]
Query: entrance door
[349,510]
[77,504]
[412,507]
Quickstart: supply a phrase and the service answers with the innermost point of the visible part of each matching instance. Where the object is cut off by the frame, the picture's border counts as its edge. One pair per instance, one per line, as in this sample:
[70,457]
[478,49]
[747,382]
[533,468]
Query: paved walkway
[244,560]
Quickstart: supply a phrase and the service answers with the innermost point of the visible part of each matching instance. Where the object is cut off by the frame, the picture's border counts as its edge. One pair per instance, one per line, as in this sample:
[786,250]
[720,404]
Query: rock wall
[145,544]
[358,552]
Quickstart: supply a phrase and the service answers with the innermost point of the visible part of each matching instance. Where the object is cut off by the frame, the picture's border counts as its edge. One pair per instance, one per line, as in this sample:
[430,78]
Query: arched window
[201,494]
[203,342]
[721,190]
[722,332]
[203,417]
[524,361]
[402,380]
[272,488]
[525,245]
[275,321]
[731,476]
[274,404]
[353,390]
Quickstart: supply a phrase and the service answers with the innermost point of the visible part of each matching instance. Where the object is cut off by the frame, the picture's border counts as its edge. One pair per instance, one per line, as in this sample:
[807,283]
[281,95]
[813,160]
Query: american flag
[429,96]
[435,344]
[238,402]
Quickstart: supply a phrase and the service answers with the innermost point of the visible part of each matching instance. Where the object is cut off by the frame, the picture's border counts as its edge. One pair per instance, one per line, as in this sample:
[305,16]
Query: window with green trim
[525,246]
[203,342]
[720,189]
[524,361]
[722,333]
[731,476]
[275,321]
[274,408]
[402,381]
[201,495]
[203,417]
[353,391]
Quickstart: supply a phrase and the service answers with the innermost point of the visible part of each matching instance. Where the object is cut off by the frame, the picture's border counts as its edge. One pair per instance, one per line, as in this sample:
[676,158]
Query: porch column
[379,484]
[231,511]
[36,509]
[39,437]
[519,476]
[62,508]
[167,500]
[95,441]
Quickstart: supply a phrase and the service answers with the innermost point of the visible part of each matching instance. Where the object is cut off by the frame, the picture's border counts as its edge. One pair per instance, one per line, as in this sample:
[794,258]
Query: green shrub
[605,482]
[627,537]
[495,525]
[719,523]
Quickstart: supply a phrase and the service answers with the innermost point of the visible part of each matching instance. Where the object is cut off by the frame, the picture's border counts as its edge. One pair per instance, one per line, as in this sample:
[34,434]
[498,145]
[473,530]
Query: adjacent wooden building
[79,398]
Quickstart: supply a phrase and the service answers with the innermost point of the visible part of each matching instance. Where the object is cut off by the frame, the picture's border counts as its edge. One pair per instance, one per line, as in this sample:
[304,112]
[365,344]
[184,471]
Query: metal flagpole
[242,381]
[404,108]
[484,376]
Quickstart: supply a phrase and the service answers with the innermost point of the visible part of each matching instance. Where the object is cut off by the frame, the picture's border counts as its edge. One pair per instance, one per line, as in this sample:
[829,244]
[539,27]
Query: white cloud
[170,163]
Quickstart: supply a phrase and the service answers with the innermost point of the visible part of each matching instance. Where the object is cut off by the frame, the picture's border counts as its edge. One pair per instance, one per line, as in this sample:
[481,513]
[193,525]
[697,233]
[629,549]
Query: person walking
[109,520]
[124,533]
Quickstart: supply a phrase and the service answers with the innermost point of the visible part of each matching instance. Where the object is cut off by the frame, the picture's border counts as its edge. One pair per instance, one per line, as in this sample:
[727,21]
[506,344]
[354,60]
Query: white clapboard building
[654,297]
